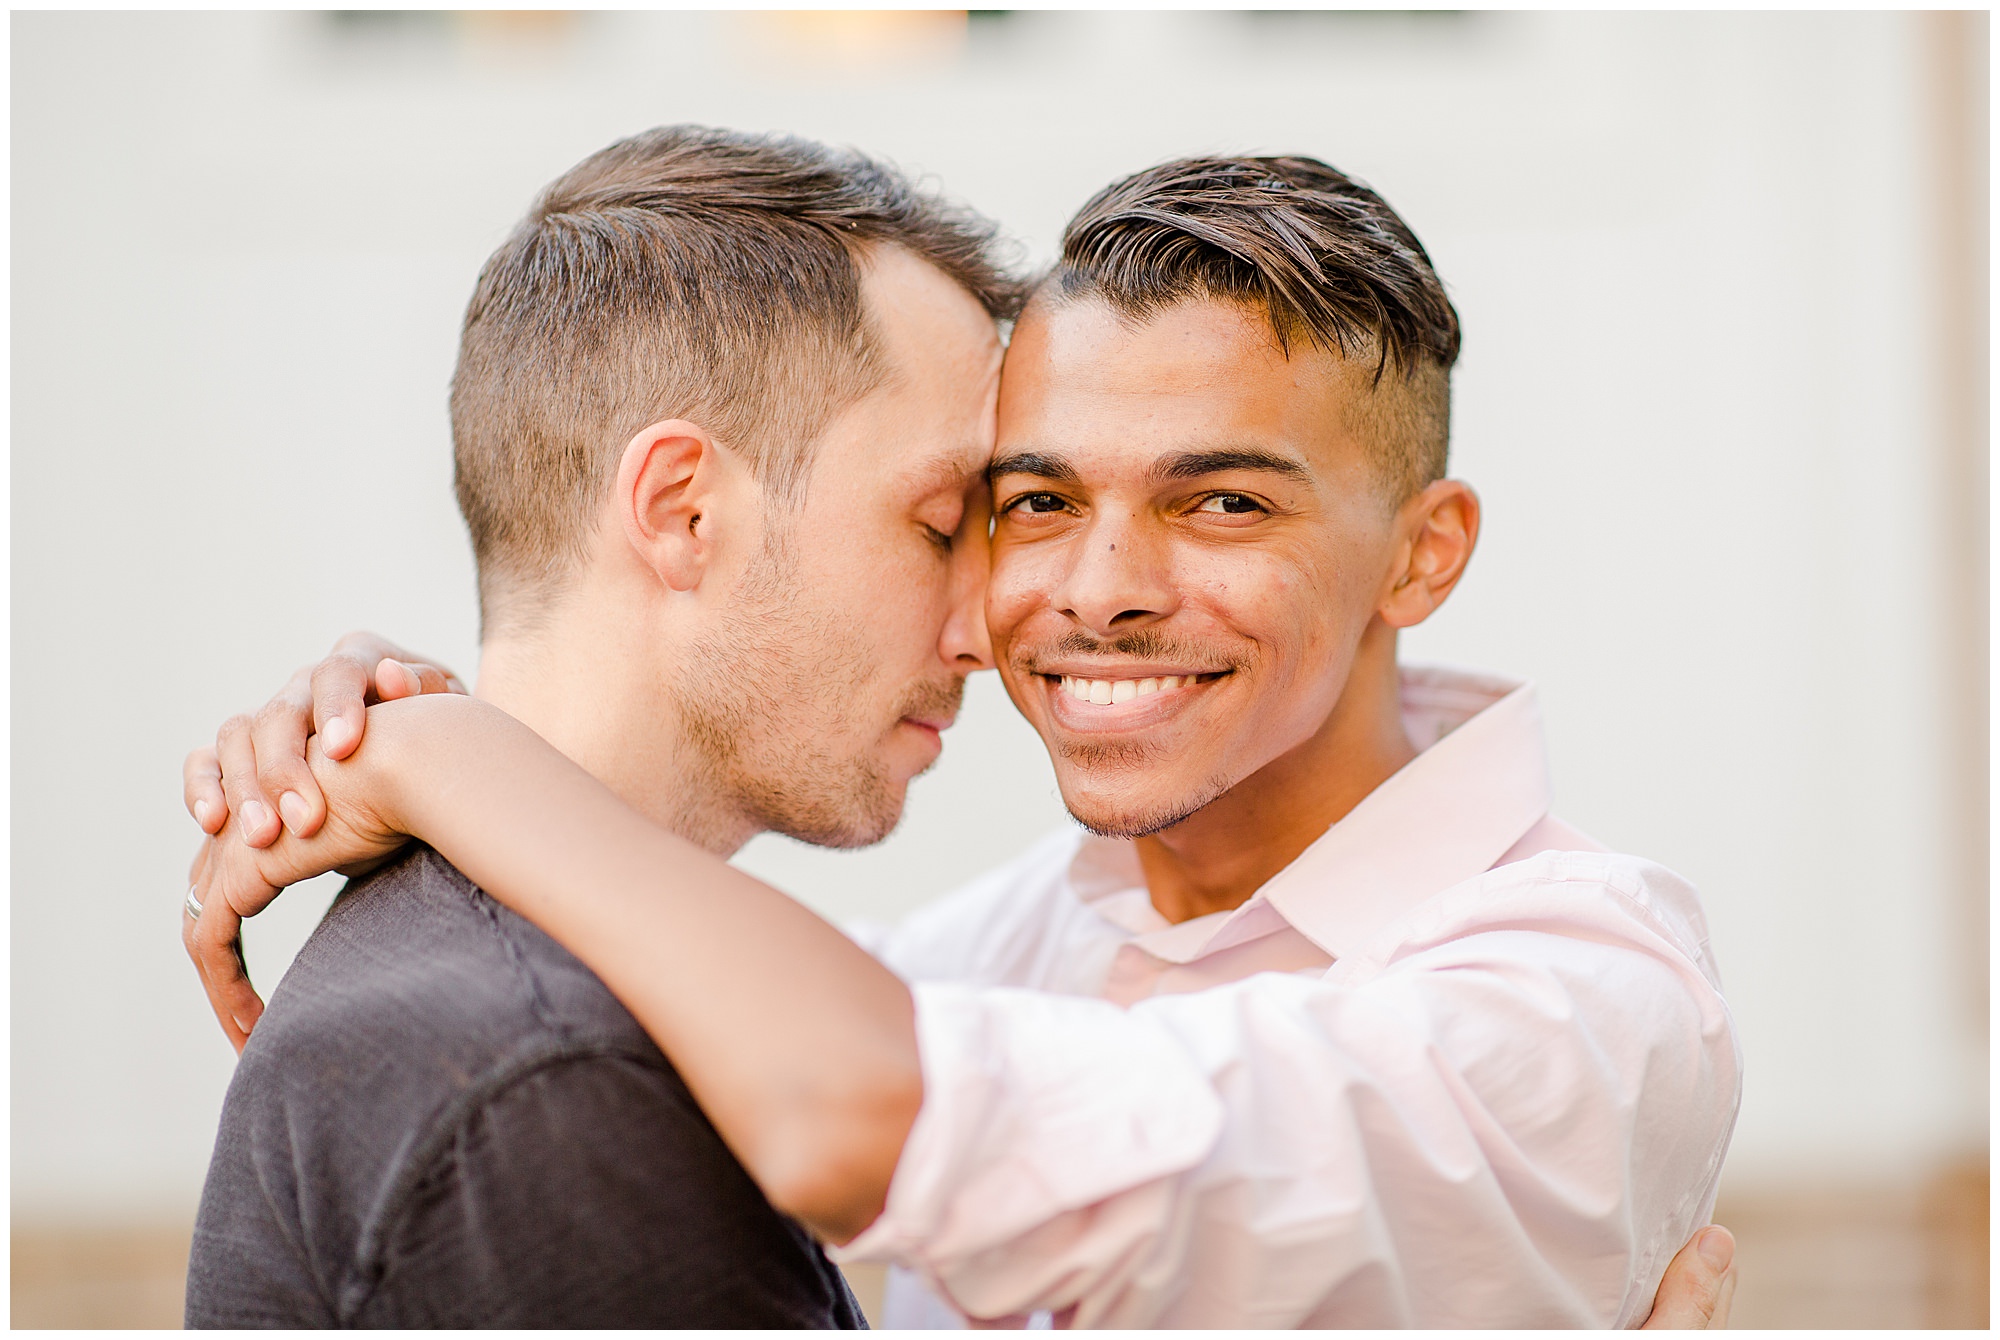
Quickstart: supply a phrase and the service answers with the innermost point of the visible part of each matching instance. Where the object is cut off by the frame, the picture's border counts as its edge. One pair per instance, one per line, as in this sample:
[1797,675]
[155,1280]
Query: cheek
[1015,588]
[1293,607]
[884,567]
[904,616]
[1261,593]
[879,609]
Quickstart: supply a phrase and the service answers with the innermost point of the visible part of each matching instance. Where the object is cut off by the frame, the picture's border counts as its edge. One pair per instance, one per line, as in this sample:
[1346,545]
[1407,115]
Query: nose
[1116,579]
[963,643]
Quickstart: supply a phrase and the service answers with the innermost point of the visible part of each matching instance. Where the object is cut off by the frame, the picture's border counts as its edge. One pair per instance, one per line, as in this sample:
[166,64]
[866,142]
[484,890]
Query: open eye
[1038,503]
[1230,504]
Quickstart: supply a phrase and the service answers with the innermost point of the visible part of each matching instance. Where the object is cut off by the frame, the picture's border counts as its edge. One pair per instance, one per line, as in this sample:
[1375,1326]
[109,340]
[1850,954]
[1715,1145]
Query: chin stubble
[1145,823]
[766,702]
[1146,644]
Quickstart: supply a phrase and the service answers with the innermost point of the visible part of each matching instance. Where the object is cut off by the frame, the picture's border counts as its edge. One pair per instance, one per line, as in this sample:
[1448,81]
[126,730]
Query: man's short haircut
[686,272]
[1323,258]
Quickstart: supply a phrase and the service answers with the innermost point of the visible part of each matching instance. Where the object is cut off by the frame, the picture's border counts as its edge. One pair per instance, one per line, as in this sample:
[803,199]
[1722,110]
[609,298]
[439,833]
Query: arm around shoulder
[1548,1105]
[800,1046]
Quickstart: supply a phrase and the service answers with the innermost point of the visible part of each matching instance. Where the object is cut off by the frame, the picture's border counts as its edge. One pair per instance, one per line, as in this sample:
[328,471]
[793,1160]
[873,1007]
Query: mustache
[931,699]
[1141,644]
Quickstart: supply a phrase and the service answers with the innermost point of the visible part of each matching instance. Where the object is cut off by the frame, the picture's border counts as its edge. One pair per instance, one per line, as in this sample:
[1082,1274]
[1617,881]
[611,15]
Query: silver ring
[193,904]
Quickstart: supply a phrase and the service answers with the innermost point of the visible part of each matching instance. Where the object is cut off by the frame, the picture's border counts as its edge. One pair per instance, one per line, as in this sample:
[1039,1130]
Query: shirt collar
[1479,784]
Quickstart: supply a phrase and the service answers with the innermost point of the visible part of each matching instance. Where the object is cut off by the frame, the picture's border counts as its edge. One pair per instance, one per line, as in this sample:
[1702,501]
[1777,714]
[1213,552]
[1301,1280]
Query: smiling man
[1441,1058]
[1327,1022]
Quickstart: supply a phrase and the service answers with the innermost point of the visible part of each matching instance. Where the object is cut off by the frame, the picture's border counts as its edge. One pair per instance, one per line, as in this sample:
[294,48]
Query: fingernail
[255,816]
[336,734]
[1717,1248]
[202,809]
[293,806]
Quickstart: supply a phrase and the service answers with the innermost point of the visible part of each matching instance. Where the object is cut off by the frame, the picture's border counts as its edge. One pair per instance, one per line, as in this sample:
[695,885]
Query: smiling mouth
[1108,692]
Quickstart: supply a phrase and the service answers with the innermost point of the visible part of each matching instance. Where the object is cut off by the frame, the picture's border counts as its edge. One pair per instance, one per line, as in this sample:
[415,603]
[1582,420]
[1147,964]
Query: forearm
[800,1047]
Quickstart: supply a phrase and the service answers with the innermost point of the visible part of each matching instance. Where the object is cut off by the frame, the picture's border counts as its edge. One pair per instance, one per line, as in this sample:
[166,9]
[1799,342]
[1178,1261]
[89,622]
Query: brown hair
[684,272]
[1320,254]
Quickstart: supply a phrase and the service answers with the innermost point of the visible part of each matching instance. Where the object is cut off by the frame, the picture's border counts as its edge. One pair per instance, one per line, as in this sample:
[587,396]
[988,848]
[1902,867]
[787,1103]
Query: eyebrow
[1194,464]
[949,472]
[1177,467]
[1039,464]
[1180,465]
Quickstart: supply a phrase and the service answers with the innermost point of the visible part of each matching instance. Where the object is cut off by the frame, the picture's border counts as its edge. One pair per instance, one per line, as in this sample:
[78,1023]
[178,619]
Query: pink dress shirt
[1454,1066]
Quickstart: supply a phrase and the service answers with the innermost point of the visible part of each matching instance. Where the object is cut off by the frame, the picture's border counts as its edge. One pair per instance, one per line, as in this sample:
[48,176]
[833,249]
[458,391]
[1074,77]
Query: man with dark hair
[1399,1047]
[1322,258]
[440,1093]
[1329,1022]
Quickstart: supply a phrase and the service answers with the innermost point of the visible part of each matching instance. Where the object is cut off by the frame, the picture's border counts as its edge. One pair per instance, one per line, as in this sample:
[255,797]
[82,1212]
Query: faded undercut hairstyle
[686,272]
[1320,255]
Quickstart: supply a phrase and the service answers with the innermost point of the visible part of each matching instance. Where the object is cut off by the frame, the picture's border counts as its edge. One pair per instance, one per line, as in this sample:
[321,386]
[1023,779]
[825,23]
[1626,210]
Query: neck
[586,680]
[1216,858]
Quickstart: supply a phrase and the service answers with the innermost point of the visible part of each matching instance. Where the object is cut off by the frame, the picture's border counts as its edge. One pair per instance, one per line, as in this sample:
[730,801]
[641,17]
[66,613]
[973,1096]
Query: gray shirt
[444,1119]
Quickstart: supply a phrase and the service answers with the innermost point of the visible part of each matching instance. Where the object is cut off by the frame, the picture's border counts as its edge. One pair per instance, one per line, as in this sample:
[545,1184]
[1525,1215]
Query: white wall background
[1693,254]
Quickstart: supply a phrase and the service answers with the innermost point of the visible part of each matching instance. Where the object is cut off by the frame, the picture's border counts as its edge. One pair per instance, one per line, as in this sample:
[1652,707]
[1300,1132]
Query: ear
[1437,530]
[670,479]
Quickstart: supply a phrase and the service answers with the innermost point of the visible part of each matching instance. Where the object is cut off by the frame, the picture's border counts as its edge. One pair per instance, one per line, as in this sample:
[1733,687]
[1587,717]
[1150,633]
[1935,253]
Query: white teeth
[1104,692]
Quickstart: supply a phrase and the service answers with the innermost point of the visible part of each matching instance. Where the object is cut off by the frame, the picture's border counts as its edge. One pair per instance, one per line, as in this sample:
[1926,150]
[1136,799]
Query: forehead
[928,423]
[1089,381]
[900,445]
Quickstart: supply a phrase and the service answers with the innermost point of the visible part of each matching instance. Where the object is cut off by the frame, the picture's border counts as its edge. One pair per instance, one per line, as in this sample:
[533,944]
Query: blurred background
[1724,391]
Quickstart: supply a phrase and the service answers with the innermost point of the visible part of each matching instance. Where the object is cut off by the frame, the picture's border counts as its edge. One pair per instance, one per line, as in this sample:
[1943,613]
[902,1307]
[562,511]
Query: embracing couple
[1325,1020]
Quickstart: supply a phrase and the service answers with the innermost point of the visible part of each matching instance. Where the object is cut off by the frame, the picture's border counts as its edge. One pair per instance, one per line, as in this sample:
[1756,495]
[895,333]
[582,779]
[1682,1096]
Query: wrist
[378,775]
[413,751]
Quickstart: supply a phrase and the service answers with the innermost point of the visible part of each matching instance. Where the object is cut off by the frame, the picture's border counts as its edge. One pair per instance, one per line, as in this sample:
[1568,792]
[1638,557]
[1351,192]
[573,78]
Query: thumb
[1695,1292]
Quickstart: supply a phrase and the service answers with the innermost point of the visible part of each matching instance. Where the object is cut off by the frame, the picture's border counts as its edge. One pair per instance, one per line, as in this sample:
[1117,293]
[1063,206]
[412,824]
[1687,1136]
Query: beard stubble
[772,704]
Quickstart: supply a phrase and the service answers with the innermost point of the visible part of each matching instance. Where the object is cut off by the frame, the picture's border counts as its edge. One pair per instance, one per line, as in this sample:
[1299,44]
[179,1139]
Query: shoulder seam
[488,909]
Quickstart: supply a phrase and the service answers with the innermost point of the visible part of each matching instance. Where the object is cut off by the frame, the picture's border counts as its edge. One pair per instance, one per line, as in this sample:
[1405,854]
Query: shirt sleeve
[1511,1113]
[590,1193]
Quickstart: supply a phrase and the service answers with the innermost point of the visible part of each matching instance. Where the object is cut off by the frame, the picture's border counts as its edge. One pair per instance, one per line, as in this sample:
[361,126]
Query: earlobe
[667,480]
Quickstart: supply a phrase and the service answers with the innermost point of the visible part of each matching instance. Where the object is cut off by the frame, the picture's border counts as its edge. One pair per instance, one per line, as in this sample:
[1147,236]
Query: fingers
[369,650]
[257,771]
[201,790]
[340,686]
[214,943]
[256,814]
[278,741]
[1695,1293]
[363,668]
[406,679]
[366,648]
